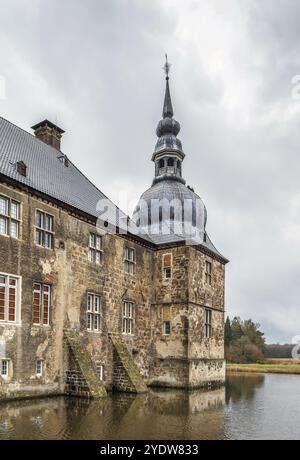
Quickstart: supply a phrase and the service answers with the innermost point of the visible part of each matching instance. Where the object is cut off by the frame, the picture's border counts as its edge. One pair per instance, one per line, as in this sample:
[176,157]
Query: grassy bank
[273,366]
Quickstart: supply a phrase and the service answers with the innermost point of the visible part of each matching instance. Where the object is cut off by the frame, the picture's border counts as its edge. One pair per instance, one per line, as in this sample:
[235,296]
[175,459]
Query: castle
[91,300]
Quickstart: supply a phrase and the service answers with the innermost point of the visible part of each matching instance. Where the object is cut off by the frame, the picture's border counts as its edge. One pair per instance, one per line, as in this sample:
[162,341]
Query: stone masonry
[86,307]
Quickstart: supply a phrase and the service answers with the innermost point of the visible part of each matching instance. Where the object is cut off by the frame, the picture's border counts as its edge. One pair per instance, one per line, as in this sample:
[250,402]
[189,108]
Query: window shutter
[166,313]
[167,260]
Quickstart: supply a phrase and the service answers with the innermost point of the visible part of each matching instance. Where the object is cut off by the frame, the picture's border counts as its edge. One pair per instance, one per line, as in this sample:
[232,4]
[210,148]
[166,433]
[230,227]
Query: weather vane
[167,66]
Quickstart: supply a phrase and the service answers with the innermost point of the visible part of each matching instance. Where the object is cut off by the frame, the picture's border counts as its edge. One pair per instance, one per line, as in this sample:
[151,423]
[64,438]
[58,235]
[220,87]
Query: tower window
[167,327]
[208,272]
[99,371]
[161,163]
[171,162]
[39,365]
[208,324]
[4,368]
[167,266]
[172,216]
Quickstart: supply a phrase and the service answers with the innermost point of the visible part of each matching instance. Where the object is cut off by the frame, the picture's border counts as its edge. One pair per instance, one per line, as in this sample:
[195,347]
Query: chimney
[48,133]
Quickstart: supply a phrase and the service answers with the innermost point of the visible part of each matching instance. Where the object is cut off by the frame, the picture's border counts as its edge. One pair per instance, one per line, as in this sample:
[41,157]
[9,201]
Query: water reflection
[242,386]
[248,411]
[155,415]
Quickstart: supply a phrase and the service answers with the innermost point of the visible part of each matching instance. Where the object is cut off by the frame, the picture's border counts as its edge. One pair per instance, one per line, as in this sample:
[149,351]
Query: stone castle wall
[162,360]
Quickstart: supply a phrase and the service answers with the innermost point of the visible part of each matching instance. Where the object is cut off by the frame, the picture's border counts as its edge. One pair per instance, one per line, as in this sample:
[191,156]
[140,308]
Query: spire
[168,109]
[168,128]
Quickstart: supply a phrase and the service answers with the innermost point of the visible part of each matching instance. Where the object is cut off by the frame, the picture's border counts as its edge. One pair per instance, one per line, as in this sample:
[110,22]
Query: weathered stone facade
[86,308]
[185,358]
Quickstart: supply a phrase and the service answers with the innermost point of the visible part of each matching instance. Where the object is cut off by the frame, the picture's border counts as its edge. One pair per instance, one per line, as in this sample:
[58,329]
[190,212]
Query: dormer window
[22,168]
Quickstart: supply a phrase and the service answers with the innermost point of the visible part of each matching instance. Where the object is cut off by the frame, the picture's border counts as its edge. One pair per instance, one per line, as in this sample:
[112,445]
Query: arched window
[178,164]
[160,218]
[161,163]
[149,215]
[194,217]
[170,161]
[172,216]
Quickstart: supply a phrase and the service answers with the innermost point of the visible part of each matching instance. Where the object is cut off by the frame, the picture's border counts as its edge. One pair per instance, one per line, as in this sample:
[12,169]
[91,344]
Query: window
[166,327]
[208,272]
[208,322]
[41,304]
[129,260]
[170,161]
[95,249]
[9,298]
[128,318]
[9,217]
[161,164]
[39,367]
[22,168]
[167,266]
[99,371]
[44,229]
[4,368]
[93,312]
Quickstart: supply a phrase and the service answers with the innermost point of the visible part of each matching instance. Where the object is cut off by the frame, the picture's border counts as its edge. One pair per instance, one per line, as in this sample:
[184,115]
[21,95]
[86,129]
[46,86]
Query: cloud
[94,67]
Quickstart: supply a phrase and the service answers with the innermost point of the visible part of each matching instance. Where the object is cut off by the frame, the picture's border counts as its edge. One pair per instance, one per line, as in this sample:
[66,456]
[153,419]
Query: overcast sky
[94,68]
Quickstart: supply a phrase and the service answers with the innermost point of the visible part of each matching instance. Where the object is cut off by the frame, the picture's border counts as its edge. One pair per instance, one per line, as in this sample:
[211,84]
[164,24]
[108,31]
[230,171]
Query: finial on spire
[167,67]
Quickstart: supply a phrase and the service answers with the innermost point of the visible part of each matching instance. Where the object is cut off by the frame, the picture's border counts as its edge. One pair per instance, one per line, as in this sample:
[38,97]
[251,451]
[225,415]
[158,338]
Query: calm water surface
[250,407]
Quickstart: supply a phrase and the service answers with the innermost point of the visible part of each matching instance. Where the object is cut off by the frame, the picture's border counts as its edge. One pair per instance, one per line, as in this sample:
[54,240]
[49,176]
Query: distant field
[275,366]
[282,361]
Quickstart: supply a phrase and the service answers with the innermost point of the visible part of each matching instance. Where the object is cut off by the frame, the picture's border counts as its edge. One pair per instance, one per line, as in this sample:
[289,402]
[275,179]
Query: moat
[249,407]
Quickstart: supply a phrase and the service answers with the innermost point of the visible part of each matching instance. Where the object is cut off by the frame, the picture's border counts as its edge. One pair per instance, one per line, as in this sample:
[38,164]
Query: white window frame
[41,303]
[39,367]
[95,251]
[129,260]
[164,328]
[18,296]
[9,219]
[93,312]
[208,323]
[43,230]
[167,270]
[208,272]
[128,317]
[7,365]
[166,275]
[100,371]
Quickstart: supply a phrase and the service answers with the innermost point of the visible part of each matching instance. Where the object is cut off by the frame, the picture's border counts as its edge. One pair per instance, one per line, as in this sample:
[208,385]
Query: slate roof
[47,173]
